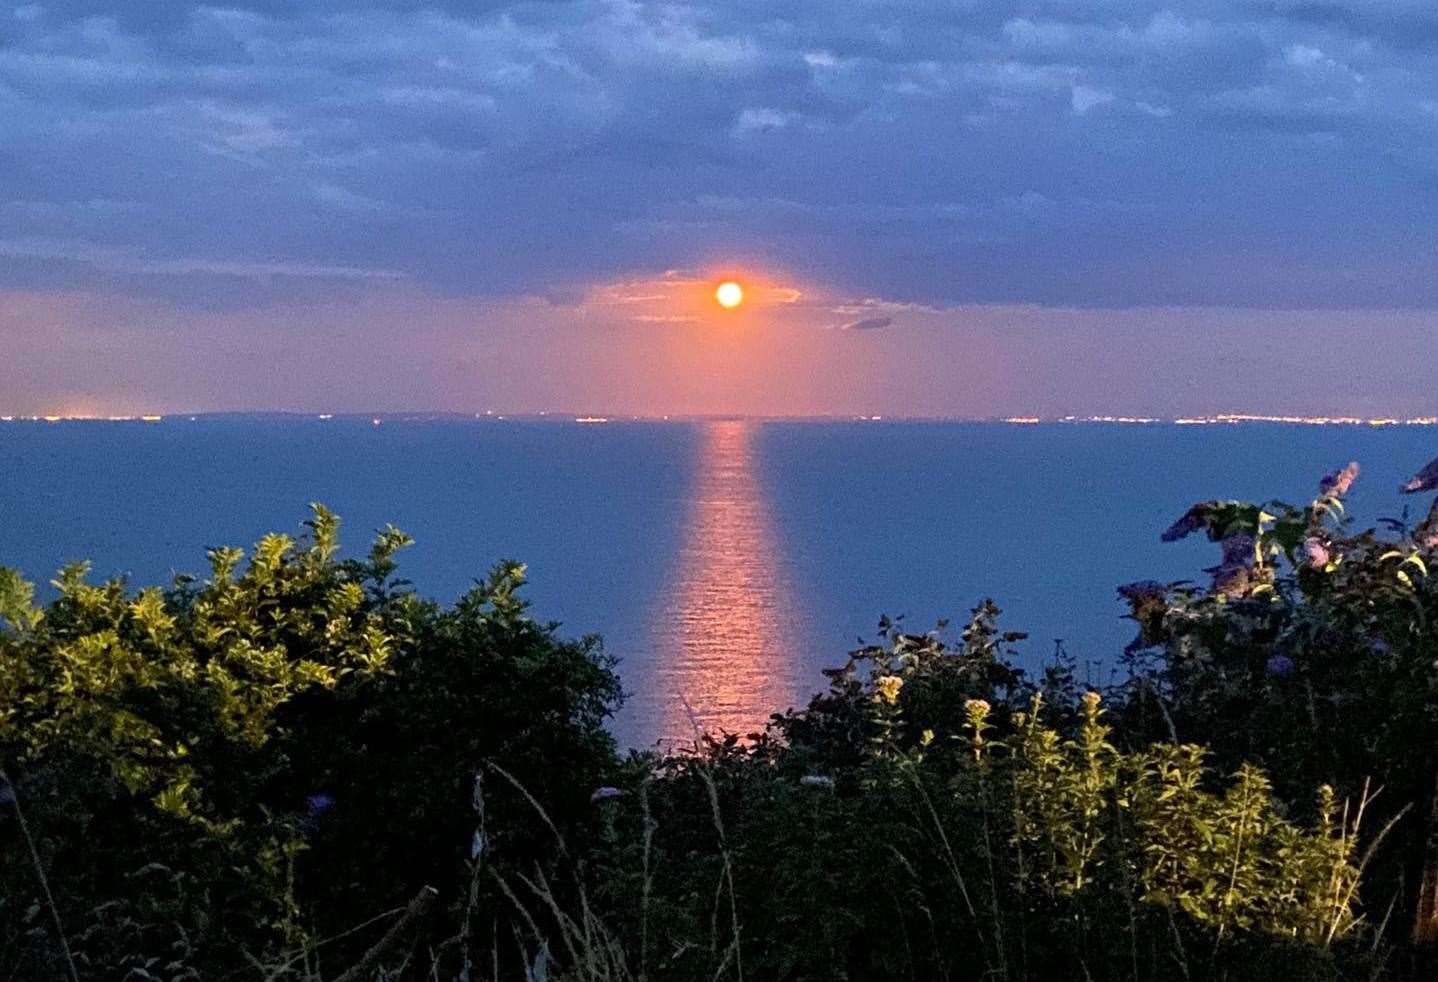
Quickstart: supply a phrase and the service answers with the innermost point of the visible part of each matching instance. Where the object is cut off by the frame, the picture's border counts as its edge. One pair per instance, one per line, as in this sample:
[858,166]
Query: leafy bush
[1312,653]
[218,772]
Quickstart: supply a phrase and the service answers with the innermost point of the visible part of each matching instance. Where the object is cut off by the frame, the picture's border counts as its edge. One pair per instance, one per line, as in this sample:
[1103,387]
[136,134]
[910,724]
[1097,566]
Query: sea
[725,562]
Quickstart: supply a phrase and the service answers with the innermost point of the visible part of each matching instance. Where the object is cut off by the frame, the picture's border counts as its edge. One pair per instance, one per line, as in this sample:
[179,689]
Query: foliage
[297,769]
[943,843]
[224,769]
[1311,654]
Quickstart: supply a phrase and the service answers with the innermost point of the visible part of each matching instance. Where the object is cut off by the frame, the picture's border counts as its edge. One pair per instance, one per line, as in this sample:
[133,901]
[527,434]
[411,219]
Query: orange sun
[729,294]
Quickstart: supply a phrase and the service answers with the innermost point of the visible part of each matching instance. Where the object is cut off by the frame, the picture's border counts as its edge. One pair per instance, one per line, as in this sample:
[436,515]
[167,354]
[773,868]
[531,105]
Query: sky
[968,207]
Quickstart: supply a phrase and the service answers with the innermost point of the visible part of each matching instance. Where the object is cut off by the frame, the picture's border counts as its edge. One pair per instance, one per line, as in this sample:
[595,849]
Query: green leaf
[17,597]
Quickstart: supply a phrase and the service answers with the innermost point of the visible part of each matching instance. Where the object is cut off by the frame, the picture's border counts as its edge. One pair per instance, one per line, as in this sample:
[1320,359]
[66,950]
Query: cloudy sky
[959,207]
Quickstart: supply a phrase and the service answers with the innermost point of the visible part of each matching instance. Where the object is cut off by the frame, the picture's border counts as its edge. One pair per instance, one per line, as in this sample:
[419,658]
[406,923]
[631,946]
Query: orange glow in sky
[699,297]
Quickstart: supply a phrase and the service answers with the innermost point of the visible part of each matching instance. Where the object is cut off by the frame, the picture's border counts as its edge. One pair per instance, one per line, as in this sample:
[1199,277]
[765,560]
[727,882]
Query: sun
[729,294]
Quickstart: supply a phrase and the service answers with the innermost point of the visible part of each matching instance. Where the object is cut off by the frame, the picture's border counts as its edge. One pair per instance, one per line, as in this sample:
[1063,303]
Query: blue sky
[183,186]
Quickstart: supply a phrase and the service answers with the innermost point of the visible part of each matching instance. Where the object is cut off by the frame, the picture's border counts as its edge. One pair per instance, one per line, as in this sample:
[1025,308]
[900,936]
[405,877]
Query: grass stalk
[39,867]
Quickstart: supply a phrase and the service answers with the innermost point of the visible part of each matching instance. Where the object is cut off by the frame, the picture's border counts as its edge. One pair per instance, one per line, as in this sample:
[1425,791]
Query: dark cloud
[1219,152]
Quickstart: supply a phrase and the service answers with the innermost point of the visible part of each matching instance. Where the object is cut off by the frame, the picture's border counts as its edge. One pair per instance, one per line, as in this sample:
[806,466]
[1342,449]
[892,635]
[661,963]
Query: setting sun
[729,294]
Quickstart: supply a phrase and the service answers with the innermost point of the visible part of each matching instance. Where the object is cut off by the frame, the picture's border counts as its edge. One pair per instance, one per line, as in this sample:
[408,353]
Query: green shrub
[1311,653]
[222,771]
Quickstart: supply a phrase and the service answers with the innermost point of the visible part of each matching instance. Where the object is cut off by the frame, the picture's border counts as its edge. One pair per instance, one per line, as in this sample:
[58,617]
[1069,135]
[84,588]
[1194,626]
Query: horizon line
[567,416]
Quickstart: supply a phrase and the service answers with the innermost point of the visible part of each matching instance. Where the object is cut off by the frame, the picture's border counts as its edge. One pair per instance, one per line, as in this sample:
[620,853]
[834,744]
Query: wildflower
[1237,574]
[1424,480]
[1315,553]
[1143,590]
[816,781]
[1197,517]
[1090,700]
[978,712]
[316,806]
[1148,602]
[1279,666]
[1337,483]
[888,687]
[605,793]
[1238,549]
[926,738]
[538,971]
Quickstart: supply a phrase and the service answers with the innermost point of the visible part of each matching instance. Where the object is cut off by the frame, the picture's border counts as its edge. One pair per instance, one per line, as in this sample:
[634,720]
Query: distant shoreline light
[1234,418]
[63,418]
[1229,419]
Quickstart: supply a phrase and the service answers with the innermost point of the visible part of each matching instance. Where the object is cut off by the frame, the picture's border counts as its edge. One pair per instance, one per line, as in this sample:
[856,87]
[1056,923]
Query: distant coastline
[377,418]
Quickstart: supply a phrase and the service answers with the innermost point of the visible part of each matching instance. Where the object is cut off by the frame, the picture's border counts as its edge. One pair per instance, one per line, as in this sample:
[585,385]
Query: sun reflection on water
[726,636]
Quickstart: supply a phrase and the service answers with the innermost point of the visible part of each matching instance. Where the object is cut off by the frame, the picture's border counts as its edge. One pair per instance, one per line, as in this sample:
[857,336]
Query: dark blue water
[724,562]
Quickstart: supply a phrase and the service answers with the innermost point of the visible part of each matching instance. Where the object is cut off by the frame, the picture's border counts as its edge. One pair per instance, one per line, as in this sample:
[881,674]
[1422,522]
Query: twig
[289,963]
[417,908]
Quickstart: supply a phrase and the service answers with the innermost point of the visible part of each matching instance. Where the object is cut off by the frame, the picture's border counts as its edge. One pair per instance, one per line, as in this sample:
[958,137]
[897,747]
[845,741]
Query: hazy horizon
[605,416]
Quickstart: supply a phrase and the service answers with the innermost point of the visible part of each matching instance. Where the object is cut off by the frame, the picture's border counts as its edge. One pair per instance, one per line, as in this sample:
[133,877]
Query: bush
[217,773]
[1312,652]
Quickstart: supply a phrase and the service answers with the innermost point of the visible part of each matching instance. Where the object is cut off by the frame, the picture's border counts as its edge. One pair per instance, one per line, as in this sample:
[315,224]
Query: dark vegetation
[296,769]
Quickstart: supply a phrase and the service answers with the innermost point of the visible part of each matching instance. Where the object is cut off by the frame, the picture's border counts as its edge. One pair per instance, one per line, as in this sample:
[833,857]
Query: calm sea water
[724,562]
